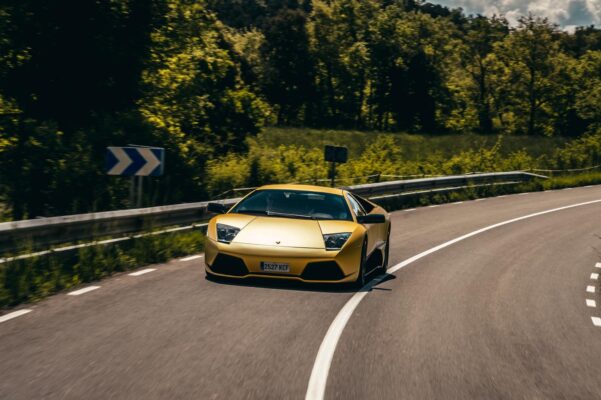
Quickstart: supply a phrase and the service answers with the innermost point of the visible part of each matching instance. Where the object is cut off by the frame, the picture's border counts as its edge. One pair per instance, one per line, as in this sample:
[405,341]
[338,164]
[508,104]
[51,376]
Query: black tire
[360,282]
[386,253]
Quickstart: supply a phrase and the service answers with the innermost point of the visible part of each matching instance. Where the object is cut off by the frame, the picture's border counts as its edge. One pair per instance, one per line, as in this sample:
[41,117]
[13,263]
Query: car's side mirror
[371,219]
[217,208]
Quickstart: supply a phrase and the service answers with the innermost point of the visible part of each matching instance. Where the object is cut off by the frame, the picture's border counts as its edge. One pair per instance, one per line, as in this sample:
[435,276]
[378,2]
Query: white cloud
[567,13]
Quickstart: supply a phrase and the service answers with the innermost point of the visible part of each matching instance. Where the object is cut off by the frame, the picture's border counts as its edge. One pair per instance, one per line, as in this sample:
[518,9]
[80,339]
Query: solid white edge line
[82,291]
[142,272]
[321,368]
[594,276]
[189,258]
[596,321]
[591,303]
[14,314]
[590,289]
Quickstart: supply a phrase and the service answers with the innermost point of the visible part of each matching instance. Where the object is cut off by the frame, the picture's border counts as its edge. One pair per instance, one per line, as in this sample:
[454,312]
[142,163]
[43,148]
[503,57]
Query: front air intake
[229,265]
[322,271]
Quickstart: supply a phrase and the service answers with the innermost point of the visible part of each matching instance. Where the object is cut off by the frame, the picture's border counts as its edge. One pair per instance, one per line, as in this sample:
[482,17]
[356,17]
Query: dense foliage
[202,77]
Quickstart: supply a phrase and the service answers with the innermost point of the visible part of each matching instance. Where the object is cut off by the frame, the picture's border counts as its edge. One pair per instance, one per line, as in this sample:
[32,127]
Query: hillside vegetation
[209,79]
[296,155]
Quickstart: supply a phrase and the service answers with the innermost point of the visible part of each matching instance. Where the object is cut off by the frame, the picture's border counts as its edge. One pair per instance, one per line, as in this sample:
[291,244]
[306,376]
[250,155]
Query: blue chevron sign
[135,161]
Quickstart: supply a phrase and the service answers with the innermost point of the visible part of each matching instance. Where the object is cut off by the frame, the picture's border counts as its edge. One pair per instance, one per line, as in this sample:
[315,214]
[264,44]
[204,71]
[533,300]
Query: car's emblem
[277,242]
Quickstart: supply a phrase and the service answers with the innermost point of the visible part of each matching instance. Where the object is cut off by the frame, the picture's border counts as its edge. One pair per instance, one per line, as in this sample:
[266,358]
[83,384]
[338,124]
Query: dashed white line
[14,314]
[142,272]
[587,186]
[82,291]
[596,321]
[321,367]
[590,289]
[591,303]
[433,205]
[458,202]
[189,258]
[594,276]
[479,199]
[503,195]
[598,265]
[523,194]
[410,209]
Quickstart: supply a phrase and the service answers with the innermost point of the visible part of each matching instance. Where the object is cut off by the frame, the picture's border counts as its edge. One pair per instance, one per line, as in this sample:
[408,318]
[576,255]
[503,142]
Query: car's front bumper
[238,260]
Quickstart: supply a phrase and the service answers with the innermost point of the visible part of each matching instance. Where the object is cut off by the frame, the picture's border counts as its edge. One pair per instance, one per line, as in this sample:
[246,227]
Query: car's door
[372,229]
[372,208]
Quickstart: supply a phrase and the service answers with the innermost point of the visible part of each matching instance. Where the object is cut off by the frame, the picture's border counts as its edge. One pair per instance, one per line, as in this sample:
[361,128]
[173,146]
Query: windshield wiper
[287,215]
[258,212]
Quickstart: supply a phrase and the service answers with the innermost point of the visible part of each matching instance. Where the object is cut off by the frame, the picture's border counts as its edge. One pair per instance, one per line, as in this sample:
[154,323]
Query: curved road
[502,314]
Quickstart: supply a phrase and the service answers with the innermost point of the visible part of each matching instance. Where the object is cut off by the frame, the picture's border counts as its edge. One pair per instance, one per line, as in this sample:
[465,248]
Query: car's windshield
[295,204]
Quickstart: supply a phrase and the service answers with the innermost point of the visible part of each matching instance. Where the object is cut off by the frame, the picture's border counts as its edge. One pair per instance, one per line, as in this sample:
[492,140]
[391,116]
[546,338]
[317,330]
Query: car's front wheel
[386,253]
[360,282]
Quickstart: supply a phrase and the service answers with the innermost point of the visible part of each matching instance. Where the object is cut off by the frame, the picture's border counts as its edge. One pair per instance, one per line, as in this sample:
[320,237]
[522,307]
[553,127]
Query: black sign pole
[333,174]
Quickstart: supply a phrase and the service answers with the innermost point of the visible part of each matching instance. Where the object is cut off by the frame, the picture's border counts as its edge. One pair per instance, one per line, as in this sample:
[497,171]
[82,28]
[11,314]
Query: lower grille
[229,265]
[322,271]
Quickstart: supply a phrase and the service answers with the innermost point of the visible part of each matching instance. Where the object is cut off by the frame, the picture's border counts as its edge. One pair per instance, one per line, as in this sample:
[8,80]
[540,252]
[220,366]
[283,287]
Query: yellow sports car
[299,232]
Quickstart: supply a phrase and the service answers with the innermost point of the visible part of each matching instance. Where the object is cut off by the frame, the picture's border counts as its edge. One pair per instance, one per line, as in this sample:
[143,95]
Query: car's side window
[357,209]
[367,206]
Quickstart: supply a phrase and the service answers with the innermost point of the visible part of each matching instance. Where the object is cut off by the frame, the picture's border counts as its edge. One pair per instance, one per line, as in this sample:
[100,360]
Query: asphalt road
[502,314]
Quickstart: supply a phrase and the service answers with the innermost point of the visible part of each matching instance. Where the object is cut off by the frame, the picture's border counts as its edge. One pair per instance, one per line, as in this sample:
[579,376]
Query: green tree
[527,68]
[194,97]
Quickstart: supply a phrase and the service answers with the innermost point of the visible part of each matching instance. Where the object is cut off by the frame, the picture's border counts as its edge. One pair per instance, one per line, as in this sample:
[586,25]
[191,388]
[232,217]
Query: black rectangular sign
[337,154]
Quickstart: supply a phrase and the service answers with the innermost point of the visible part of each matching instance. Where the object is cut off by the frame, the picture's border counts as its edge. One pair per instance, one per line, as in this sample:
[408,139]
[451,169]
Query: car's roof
[307,188]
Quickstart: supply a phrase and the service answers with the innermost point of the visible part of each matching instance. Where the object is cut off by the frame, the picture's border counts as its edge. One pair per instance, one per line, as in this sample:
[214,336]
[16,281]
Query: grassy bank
[34,278]
[296,155]
[412,147]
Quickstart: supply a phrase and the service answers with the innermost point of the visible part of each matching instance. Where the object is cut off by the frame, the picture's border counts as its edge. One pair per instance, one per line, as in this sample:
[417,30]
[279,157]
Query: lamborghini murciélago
[298,232]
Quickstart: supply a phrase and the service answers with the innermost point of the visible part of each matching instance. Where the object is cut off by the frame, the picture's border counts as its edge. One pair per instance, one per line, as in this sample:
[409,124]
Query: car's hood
[288,232]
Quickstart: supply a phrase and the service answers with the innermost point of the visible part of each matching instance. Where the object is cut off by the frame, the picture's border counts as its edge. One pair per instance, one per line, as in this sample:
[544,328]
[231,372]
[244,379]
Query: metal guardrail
[373,189]
[46,232]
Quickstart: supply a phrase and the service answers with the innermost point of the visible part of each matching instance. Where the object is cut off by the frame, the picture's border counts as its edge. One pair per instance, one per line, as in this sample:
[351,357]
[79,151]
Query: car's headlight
[226,233]
[335,241]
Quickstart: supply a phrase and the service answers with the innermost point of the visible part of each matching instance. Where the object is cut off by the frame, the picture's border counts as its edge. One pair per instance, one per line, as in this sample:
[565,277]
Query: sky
[567,13]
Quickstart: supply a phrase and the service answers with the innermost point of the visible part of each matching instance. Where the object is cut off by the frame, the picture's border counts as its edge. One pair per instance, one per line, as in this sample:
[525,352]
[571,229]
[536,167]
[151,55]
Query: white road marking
[504,195]
[594,276]
[14,314]
[189,258]
[142,272]
[596,321]
[82,291]
[433,205]
[479,199]
[567,188]
[598,265]
[591,303]
[321,368]
[410,209]
[523,194]
[588,186]
[590,289]
[458,202]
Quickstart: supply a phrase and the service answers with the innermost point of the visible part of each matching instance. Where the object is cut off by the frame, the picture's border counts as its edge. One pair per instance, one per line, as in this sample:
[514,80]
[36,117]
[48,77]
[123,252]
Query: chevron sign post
[135,161]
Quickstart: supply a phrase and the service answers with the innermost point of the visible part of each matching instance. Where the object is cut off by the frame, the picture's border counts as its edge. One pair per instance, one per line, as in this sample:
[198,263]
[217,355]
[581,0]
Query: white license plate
[274,267]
